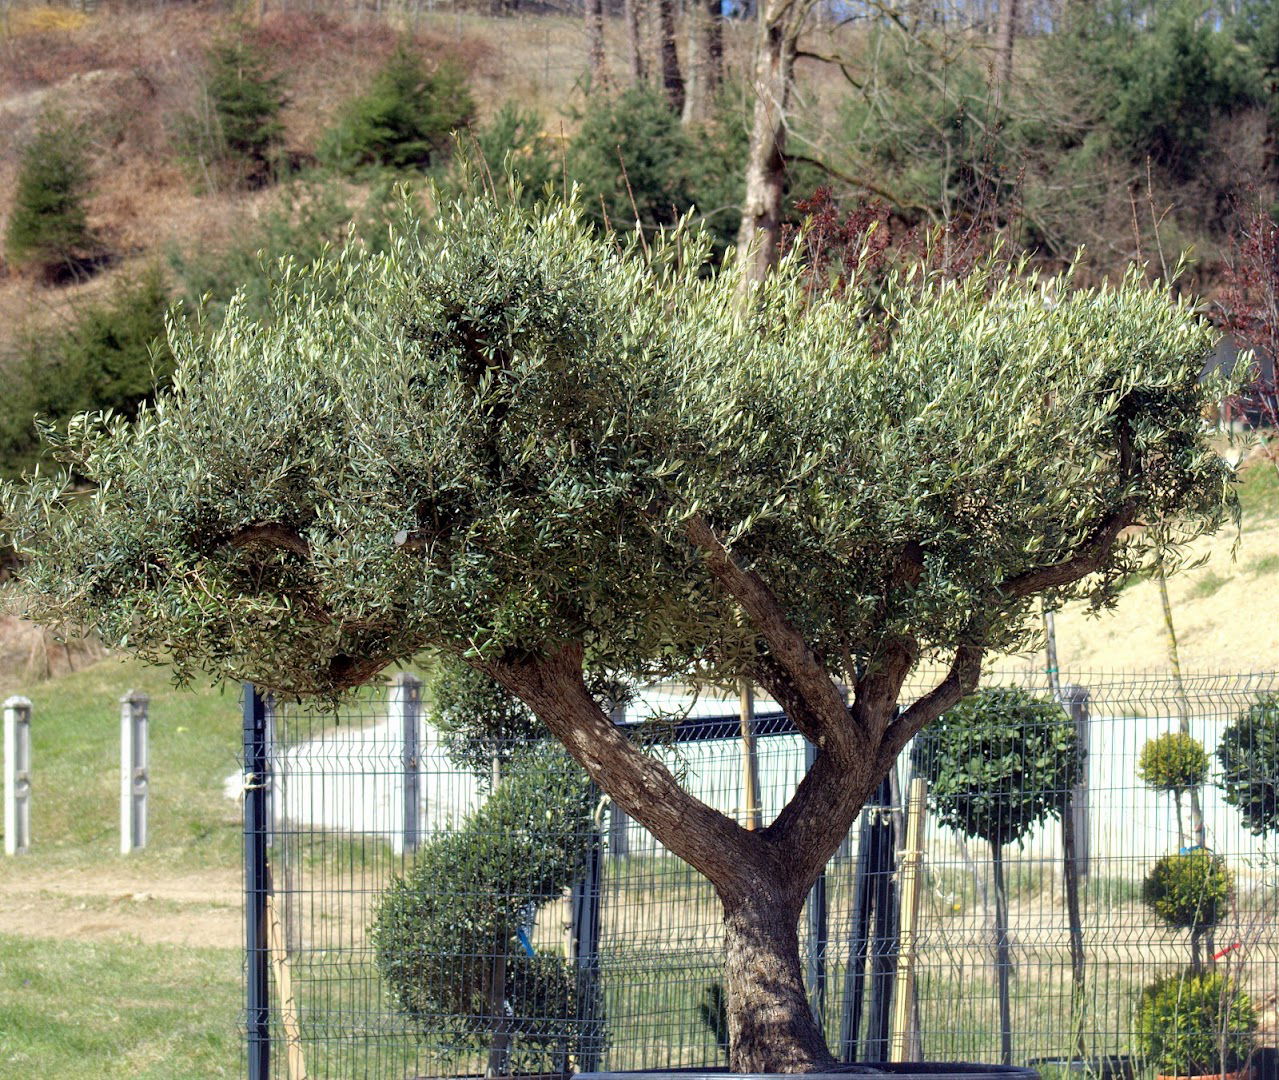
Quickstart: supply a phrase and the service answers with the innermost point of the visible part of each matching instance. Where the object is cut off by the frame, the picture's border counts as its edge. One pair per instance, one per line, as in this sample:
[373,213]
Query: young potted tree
[510,441]
[447,935]
[1189,890]
[1195,1024]
[998,764]
[1174,763]
[1249,757]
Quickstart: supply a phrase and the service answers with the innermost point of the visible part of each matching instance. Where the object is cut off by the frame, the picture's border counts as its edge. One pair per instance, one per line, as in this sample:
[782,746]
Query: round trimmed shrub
[1249,757]
[1174,762]
[1194,1024]
[999,763]
[1189,890]
[447,931]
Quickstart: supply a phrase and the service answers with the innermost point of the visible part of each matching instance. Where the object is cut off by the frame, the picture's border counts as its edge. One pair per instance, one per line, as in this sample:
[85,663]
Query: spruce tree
[48,227]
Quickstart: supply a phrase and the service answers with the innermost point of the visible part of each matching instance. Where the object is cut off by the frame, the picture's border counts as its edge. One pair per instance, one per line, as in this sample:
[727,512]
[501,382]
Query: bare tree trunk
[672,80]
[634,40]
[704,60]
[1005,36]
[1003,958]
[595,44]
[760,233]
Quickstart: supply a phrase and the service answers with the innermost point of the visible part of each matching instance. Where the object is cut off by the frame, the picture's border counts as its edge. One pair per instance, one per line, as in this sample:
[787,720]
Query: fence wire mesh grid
[419,911]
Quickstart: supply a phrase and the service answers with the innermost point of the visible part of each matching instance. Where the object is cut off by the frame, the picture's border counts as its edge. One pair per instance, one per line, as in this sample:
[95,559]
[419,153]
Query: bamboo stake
[912,860]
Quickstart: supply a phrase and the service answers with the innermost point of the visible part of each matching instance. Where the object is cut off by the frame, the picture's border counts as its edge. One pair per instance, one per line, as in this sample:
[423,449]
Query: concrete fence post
[135,778]
[17,776]
[406,717]
[618,820]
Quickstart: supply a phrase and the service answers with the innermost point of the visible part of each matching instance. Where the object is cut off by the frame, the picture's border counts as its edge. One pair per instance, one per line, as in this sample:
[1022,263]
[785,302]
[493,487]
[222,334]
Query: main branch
[641,785]
[792,653]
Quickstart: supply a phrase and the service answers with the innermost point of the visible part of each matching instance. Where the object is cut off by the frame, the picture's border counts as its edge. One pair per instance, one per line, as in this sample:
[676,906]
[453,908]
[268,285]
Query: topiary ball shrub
[1174,762]
[1195,1023]
[445,934]
[998,763]
[1249,757]
[1189,890]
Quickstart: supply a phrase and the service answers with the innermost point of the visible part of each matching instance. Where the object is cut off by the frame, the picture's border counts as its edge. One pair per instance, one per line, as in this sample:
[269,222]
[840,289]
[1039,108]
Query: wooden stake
[912,860]
[284,984]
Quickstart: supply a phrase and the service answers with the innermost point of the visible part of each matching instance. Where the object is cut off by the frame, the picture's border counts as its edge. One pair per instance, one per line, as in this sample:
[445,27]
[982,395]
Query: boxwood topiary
[998,764]
[1173,762]
[1189,890]
[1249,756]
[445,934]
[1195,1023]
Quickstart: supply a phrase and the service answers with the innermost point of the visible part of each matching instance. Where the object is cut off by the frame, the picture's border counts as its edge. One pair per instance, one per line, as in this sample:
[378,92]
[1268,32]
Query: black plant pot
[905,1070]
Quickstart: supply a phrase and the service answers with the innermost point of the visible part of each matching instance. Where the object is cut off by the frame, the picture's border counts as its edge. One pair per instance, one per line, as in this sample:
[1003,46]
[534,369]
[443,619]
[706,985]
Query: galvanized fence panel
[345,804]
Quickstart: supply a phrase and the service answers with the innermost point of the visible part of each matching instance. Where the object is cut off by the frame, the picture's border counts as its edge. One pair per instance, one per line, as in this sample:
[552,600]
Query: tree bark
[594,10]
[759,238]
[672,80]
[634,40]
[771,1026]
[1005,36]
[704,60]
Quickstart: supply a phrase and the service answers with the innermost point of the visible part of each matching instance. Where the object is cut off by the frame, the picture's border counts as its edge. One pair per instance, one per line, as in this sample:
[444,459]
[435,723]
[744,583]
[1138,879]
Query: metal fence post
[585,919]
[406,715]
[269,758]
[618,820]
[257,828]
[17,776]
[134,776]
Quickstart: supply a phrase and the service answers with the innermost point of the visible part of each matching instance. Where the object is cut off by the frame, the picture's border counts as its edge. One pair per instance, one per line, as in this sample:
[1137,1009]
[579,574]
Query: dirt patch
[200,909]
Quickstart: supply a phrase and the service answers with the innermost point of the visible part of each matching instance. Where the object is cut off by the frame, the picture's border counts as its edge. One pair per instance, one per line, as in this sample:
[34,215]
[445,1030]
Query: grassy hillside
[1222,609]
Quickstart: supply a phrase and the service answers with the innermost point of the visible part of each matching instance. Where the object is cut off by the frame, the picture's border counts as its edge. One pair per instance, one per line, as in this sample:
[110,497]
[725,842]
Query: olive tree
[510,440]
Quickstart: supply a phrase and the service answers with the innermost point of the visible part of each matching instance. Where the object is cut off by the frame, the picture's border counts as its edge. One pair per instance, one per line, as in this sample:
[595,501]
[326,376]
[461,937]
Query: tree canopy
[504,434]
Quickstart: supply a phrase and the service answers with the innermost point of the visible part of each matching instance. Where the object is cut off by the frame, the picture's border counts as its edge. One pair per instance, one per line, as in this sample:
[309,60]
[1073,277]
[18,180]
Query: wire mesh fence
[414,912]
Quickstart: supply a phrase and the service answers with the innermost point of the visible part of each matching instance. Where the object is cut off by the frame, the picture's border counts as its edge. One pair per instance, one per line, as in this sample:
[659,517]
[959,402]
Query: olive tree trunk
[770,1022]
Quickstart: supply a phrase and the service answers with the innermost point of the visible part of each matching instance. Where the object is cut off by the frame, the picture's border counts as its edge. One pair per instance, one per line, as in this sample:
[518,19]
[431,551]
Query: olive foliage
[491,436]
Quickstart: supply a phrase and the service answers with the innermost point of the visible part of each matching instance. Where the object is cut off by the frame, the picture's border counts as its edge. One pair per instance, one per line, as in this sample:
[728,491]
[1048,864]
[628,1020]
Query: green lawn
[72,1008]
